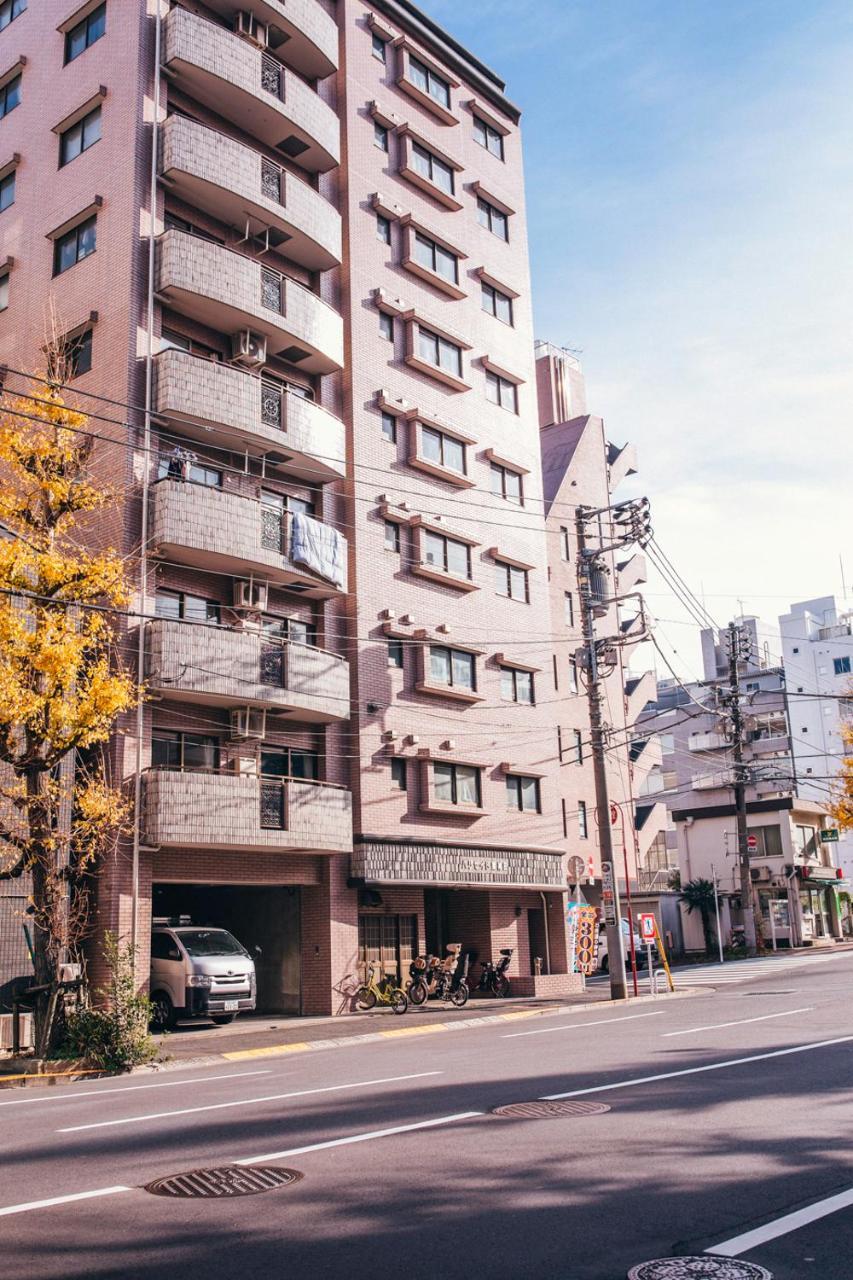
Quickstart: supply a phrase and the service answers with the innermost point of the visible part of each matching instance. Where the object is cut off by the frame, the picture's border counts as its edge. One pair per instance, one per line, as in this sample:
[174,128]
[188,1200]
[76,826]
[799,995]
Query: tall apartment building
[287,243]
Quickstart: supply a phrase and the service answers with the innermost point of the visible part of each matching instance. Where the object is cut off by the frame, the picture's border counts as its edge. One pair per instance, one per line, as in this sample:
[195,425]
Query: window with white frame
[522,793]
[447,554]
[452,667]
[457,784]
[501,391]
[436,171]
[583,825]
[442,449]
[495,303]
[492,218]
[489,137]
[517,686]
[438,351]
[429,254]
[506,483]
[511,581]
[429,82]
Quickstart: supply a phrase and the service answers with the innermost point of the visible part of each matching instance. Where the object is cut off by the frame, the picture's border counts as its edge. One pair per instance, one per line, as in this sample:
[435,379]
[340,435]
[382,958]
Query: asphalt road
[729,1129]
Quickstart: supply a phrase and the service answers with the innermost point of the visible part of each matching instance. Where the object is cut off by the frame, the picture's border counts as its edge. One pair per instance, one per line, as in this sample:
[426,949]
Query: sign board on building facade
[582,937]
[647,926]
[608,897]
[829,835]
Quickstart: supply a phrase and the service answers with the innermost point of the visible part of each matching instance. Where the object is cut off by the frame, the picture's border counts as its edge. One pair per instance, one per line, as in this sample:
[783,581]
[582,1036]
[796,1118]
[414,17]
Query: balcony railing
[311,34]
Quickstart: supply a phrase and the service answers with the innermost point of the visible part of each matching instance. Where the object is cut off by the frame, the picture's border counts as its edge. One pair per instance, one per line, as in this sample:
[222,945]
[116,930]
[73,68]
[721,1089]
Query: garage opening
[266,916]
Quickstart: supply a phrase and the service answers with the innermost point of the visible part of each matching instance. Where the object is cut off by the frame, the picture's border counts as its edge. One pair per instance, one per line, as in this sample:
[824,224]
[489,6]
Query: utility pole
[630,523]
[738,645]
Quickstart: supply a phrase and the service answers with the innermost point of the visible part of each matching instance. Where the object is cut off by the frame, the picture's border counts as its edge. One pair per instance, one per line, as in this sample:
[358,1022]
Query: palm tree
[698,895]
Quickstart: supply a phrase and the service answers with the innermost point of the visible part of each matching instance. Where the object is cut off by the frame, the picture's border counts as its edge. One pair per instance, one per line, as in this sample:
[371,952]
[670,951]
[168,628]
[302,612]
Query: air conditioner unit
[248,723]
[249,594]
[249,349]
[251,28]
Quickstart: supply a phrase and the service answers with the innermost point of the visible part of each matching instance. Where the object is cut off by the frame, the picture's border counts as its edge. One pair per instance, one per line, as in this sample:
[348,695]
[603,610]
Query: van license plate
[231,1005]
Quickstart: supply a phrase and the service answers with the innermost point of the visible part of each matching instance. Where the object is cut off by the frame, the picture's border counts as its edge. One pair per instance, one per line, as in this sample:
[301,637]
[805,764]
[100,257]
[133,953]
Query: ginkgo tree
[62,686]
[842,802]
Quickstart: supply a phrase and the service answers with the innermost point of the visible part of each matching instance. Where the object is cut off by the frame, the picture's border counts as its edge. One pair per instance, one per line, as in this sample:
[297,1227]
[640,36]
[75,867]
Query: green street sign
[830,836]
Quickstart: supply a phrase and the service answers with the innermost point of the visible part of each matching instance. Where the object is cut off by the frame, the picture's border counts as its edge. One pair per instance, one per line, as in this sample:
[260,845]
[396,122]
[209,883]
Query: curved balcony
[230,534]
[231,409]
[235,184]
[301,33]
[228,292]
[245,85]
[221,666]
[243,812]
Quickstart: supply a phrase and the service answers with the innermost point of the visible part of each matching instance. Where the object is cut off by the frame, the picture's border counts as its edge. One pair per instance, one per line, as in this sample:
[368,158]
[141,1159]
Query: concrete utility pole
[630,522]
[738,645]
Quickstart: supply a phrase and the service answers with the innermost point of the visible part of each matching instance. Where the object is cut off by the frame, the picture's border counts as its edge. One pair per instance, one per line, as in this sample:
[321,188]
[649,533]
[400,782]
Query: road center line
[245,1102]
[693,1071]
[360,1137]
[132,1088]
[46,1204]
[740,1022]
[581,1026]
[790,1222]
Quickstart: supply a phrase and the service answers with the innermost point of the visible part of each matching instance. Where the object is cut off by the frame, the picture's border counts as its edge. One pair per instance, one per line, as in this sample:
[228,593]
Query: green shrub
[114,1037]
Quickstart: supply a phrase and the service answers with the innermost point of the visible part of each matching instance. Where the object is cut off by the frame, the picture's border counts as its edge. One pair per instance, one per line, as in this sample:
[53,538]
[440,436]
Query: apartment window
[506,484]
[492,219]
[805,840]
[78,354]
[383,229]
[442,449]
[7,191]
[176,467]
[568,609]
[395,654]
[577,746]
[399,779]
[90,29]
[183,605]
[74,246]
[379,48]
[495,303]
[9,10]
[392,536]
[423,78]
[380,136]
[841,666]
[583,825]
[517,686]
[386,325]
[80,137]
[488,137]
[434,258]
[389,427]
[522,793]
[447,554]
[440,352]
[512,581]
[573,674]
[433,169]
[10,96]
[768,842]
[4,291]
[564,543]
[295,630]
[457,784]
[452,667]
[501,391]
[171,749]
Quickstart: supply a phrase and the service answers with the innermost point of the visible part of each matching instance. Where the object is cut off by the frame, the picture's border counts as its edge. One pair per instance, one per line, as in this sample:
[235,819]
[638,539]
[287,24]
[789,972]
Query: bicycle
[386,992]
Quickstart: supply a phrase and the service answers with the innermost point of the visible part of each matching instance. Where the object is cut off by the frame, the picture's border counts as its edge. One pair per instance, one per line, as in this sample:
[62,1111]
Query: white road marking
[132,1088]
[581,1026]
[790,1222]
[46,1204]
[244,1102]
[360,1137]
[694,1071]
[740,1022]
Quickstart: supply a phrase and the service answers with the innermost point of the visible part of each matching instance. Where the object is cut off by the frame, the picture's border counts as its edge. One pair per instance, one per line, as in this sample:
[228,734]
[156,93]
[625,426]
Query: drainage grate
[549,1110]
[702,1268]
[227,1180]
[762,994]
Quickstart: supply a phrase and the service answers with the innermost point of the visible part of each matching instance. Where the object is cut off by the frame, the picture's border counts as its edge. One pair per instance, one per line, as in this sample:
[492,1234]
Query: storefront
[820,914]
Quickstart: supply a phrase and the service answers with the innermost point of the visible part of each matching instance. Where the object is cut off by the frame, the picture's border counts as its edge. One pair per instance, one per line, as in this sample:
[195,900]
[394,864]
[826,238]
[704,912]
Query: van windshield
[211,942]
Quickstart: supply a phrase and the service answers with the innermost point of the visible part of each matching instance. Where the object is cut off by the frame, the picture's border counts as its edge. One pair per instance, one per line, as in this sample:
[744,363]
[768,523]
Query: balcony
[227,533]
[770,744]
[230,409]
[220,666]
[708,741]
[244,813]
[228,292]
[247,86]
[239,186]
[302,33]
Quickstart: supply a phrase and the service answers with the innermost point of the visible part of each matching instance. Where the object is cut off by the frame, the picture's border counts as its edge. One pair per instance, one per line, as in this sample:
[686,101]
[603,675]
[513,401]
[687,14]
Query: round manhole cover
[543,1110]
[706,1267]
[227,1180]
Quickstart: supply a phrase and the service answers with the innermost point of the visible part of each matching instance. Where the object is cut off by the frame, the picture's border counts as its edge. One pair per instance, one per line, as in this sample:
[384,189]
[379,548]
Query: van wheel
[222,1019]
[604,965]
[162,1012]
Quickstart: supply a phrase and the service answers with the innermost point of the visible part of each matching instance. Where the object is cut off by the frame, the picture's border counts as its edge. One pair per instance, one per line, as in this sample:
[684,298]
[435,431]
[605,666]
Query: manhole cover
[549,1110]
[704,1268]
[227,1180]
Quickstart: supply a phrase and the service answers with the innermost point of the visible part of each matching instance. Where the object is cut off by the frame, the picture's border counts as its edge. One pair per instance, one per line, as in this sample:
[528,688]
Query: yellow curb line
[57,1075]
[268,1051]
[417,1031]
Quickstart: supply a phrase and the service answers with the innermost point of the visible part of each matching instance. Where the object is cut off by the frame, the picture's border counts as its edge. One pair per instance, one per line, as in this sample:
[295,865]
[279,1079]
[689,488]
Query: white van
[198,972]
[639,947]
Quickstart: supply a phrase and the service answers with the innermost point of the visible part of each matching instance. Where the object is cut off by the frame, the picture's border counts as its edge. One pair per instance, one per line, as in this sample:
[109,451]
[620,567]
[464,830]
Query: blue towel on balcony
[317,546]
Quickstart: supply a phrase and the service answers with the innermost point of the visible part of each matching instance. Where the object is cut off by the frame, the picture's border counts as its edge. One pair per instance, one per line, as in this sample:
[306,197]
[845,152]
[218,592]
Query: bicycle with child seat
[385,991]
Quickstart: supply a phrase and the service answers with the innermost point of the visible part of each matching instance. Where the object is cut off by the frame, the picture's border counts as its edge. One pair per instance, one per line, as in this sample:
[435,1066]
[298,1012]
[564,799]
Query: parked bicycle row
[433,978]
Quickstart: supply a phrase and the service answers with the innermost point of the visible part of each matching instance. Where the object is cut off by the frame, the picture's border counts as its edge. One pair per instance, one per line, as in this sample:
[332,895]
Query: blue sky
[690,200]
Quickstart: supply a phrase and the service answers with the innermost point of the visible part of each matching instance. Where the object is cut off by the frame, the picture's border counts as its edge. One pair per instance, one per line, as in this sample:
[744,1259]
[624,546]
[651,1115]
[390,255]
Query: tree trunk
[706,930]
[48,903]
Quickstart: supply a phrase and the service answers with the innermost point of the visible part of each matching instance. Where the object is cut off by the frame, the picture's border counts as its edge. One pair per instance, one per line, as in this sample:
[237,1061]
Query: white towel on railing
[317,546]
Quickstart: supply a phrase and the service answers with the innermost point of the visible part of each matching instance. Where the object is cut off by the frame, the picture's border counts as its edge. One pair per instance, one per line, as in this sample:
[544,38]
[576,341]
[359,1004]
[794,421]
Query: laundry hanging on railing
[317,546]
